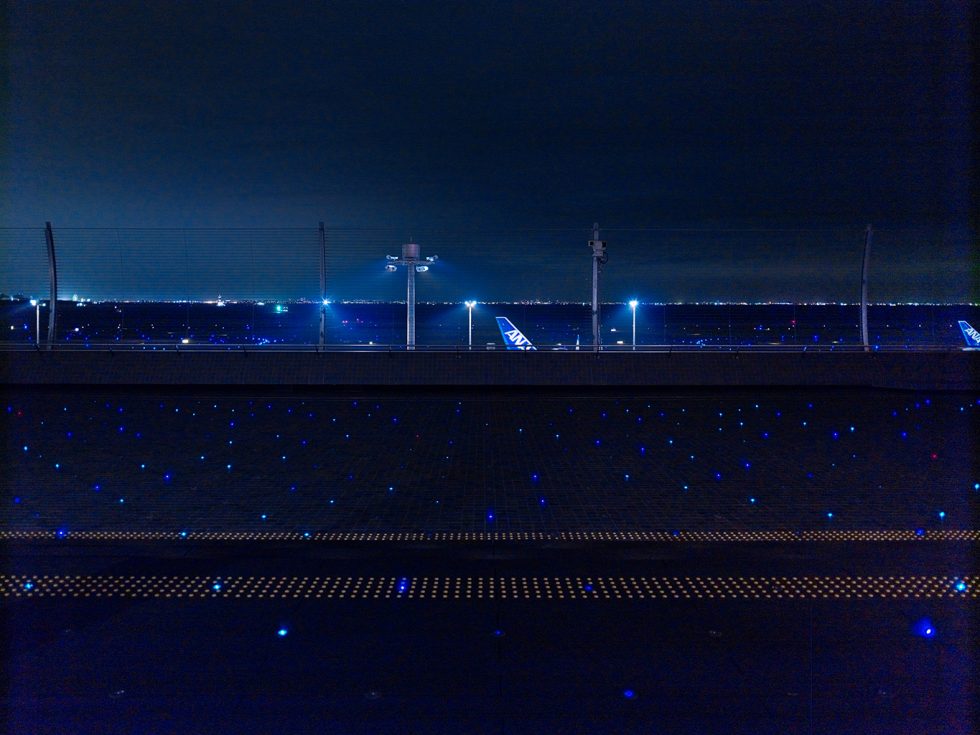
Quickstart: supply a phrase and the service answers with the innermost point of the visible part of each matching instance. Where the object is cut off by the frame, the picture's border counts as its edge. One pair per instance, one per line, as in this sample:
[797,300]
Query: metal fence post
[53,272]
[323,283]
[864,288]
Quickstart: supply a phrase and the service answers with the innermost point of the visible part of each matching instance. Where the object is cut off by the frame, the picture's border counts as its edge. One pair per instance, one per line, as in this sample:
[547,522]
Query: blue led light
[282,632]
[25,447]
[751,500]
[920,532]
[28,585]
[183,534]
[830,514]
[925,628]
[534,477]
[216,586]
[629,693]
[960,586]
[498,633]
[942,514]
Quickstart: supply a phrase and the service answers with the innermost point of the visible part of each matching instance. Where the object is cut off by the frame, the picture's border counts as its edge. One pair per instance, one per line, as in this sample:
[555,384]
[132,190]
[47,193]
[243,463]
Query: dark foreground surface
[490,637]
[765,561]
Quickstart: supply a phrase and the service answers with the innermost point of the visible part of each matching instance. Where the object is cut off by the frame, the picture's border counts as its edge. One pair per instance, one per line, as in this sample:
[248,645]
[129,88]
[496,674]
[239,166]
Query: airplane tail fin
[971,335]
[512,335]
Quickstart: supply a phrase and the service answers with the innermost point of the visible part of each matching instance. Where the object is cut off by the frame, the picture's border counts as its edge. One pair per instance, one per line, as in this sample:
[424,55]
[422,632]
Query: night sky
[501,118]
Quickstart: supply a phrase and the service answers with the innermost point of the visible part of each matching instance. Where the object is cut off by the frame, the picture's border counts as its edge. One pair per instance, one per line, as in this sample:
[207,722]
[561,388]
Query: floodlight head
[391,268]
[391,257]
[326,302]
[432,258]
[470,304]
[634,303]
[33,302]
[421,268]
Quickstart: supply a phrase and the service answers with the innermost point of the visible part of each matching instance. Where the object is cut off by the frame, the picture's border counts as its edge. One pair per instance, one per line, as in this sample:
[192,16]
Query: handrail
[247,347]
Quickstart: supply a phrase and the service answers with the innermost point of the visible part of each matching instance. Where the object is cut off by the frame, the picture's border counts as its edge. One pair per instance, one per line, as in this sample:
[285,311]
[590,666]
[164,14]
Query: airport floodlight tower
[633,304]
[413,262]
[599,259]
[469,340]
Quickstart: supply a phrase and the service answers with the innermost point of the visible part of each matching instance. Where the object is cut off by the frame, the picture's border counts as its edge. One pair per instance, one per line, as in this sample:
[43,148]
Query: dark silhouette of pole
[53,271]
[323,283]
[599,258]
[864,287]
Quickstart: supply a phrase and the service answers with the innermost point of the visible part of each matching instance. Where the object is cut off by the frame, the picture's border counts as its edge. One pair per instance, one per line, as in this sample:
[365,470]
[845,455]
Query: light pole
[37,321]
[599,259]
[413,262]
[633,304]
[469,306]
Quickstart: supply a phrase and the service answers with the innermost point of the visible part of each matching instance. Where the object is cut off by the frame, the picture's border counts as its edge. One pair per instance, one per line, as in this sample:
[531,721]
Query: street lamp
[37,321]
[633,304]
[469,306]
[413,262]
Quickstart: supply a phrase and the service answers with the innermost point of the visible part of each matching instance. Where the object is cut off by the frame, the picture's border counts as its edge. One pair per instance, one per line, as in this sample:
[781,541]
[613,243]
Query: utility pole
[599,258]
[53,271]
[864,288]
[323,283]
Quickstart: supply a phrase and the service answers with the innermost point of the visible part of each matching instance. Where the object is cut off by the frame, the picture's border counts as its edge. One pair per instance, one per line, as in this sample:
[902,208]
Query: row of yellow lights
[479,536]
[525,588]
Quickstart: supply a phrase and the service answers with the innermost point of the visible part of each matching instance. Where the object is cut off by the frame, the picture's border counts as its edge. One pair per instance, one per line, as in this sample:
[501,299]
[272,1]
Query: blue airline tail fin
[971,335]
[512,335]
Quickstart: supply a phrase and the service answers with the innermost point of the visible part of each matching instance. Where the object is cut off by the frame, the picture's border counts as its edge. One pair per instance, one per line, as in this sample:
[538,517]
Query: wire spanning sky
[498,117]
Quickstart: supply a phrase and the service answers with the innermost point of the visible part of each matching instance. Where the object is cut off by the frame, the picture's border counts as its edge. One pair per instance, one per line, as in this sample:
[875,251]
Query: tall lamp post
[599,259]
[37,321]
[633,304]
[469,306]
[412,261]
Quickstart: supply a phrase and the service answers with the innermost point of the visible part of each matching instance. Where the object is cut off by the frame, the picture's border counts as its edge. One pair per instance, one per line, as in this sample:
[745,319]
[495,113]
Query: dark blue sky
[490,116]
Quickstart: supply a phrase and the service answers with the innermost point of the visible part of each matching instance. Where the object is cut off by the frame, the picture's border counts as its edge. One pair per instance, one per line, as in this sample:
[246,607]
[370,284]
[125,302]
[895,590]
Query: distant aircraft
[512,335]
[971,335]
